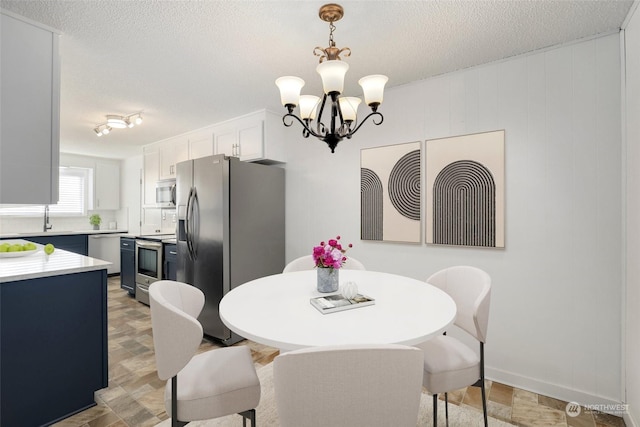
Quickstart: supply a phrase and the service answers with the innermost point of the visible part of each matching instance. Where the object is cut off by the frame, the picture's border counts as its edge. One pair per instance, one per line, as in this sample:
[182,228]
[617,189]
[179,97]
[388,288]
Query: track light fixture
[102,129]
[118,122]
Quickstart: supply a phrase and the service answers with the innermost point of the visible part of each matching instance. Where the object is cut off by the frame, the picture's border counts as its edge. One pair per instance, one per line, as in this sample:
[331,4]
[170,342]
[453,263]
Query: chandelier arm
[345,129]
[336,106]
[305,132]
[335,112]
[319,125]
[375,113]
[306,129]
[322,130]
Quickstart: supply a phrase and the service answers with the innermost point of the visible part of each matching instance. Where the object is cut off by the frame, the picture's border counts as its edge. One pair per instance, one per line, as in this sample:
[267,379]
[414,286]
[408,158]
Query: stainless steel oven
[148,267]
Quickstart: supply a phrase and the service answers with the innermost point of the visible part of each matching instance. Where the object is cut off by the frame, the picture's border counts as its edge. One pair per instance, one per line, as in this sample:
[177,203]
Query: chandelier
[343,109]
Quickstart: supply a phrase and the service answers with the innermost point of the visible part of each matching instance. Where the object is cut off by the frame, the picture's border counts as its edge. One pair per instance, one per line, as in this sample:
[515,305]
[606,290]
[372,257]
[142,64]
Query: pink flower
[329,255]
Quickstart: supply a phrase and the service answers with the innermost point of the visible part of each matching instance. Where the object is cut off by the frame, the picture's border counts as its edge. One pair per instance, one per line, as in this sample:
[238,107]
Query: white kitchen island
[53,333]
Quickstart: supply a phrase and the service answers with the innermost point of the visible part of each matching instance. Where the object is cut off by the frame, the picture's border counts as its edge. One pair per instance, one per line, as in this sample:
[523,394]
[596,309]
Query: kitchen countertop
[42,265]
[161,237]
[57,233]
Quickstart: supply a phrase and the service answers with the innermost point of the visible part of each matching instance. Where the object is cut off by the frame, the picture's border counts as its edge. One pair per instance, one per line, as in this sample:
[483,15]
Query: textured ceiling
[188,64]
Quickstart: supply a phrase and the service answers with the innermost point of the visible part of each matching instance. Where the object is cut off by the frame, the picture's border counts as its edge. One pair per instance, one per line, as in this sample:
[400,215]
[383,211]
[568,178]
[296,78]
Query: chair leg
[446,408]
[484,405]
[176,423]
[484,397]
[250,415]
[174,403]
[435,409]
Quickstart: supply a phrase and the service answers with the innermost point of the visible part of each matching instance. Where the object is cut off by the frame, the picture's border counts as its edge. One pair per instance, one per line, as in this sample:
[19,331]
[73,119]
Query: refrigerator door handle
[194,227]
[187,224]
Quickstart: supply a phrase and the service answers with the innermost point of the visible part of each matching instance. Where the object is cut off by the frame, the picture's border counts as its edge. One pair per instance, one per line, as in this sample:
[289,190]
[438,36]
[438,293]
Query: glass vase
[328,279]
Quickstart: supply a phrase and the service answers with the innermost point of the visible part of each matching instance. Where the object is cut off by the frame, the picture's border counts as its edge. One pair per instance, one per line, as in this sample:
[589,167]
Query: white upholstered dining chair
[344,386]
[448,363]
[208,385]
[306,263]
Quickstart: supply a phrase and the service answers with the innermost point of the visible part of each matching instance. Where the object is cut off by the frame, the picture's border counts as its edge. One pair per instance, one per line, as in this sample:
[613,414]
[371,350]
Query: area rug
[267,416]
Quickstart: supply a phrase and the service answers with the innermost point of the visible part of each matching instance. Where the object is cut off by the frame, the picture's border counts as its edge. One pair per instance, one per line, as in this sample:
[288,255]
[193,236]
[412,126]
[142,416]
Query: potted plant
[95,220]
[329,258]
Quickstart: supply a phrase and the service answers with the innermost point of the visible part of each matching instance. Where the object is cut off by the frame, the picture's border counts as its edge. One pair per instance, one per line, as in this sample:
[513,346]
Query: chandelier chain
[331,30]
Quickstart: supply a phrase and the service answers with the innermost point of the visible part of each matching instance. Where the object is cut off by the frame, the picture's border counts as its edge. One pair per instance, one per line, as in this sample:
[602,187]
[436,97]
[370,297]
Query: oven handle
[148,244]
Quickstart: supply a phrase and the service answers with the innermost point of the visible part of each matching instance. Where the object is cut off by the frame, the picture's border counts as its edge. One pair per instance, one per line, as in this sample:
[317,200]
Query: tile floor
[134,395]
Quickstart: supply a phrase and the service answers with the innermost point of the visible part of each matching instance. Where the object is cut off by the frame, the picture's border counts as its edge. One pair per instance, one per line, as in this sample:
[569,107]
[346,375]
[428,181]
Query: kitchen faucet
[46,226]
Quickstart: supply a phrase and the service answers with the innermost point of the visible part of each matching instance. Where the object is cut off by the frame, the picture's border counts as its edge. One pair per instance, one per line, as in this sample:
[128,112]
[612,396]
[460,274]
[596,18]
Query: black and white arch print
[390,193]
[465,190]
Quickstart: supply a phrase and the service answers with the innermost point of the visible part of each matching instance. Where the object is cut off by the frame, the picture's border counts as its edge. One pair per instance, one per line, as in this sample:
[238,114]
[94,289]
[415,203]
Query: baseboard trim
[554,390]
[629,421]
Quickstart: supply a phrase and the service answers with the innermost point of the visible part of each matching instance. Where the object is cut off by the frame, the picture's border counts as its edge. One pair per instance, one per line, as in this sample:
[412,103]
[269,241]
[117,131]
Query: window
[73,199]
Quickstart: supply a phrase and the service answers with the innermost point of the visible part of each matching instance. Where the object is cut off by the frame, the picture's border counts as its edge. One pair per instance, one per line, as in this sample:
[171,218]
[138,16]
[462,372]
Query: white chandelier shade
[373,88]
[332,74]
[309,106]
[349,107]
[290,87]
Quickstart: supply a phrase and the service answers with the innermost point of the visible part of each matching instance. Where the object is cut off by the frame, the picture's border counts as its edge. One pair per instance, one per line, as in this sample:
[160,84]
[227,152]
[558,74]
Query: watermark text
[574,409]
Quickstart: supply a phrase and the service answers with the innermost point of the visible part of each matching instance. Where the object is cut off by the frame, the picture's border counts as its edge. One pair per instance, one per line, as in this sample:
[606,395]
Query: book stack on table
[337,302]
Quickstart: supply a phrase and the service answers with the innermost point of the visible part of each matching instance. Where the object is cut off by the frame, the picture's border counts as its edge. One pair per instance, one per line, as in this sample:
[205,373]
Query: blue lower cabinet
[78,243]
[53,335]
[170,261]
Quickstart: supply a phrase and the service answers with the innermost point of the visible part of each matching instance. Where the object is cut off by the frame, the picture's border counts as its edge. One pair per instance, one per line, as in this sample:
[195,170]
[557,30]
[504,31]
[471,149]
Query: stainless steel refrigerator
[230,229]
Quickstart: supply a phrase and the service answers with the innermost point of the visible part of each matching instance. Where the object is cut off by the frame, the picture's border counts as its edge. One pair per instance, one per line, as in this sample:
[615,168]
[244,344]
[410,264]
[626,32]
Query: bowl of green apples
[18,248]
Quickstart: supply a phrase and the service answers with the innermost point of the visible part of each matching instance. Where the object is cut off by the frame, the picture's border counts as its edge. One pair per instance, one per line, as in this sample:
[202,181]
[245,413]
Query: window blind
[73,196]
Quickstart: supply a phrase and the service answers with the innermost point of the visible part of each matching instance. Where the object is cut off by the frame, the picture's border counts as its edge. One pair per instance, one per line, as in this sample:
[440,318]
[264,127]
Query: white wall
[557,285]
[632,339]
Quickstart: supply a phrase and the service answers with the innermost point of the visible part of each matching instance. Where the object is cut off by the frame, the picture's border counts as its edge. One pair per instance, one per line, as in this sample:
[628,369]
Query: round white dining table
[275,311]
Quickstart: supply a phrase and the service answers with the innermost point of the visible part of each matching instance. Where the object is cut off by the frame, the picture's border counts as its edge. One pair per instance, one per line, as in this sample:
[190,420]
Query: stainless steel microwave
[166,193]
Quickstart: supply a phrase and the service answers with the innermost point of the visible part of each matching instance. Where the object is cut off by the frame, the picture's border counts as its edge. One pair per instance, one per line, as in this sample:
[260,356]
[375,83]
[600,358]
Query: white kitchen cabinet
[30,105]
[172,151]
[107,186]
[201,143]
[151,175]
[254,137]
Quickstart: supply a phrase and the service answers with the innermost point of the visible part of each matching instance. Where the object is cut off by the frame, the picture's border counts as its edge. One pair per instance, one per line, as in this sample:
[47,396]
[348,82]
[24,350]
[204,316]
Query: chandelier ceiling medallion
[343,109]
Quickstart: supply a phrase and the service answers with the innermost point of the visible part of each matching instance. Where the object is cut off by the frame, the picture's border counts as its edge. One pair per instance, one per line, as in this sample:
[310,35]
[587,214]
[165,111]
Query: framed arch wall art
[465,190]
[390,193]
